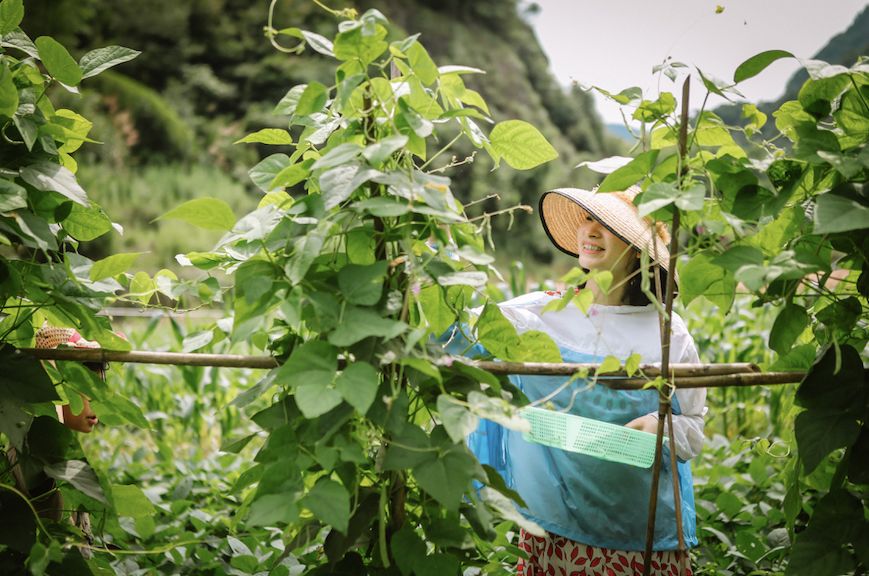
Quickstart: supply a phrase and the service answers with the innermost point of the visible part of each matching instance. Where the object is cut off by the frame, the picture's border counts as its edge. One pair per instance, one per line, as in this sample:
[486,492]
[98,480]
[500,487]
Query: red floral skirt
[554,555]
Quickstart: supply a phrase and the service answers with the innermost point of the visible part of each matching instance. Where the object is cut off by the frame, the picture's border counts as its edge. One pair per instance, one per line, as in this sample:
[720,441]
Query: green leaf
[437,312]
[255,391]
[113,265]
[378,152]
[51,177]
[14,421]
[632,364]
[420,125]
[788,325]
[422,64]
[11,14]
[312,99]
[382,206]
[361,323]
[310,370]
[358,385]
[758,63]
[456,418]
[700,276]
[57,61]
[630,173]
[20,41]
[834,394]
[12,196]
[662,194]
[87,223]
[80,475]
[287,105]
[314,400]
[69,128]
[330,502]
[738,256]
[22,378]
[447,475]
[340,182]
[270,509]
[538,346]
[362,285]
[319,43]
[265,173]
[208,213]
[291,175]
[834,213]
[408,549]
[521,145]
[272,136]
[411,447]
[340,154]
[609,364]
[130,501]
[353,44]
[507,510]
[142,287]
[583,300]
[315,361]
[305,249]
[101,59]
[437,564]
[8,92]
[650,111]
[822,548]
[499,336]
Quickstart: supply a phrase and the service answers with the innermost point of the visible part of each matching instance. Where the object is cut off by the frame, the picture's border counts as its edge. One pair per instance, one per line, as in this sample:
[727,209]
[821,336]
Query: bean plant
[782,216]
[356,265]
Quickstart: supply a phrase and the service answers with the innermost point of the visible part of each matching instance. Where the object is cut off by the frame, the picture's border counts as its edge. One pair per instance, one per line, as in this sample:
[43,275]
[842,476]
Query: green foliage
[45,213]
[788,225]
[339,272]
[350,457]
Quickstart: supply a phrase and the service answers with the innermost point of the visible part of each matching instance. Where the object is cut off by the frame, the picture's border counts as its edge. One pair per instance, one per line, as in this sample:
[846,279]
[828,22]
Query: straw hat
[52,336]
[563,210]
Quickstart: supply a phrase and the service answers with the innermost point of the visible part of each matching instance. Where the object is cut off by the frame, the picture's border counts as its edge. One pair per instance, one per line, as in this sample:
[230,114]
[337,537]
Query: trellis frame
[675,376]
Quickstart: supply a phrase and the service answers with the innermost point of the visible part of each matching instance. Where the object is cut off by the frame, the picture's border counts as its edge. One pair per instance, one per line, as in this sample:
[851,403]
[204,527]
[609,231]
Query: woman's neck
[611,298]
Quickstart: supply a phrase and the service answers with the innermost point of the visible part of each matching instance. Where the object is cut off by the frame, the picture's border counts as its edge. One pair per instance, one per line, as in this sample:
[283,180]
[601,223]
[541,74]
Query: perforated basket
[590,437]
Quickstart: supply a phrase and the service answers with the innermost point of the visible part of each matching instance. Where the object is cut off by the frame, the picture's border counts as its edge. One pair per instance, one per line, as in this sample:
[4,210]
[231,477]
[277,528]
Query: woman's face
[82,422]
[600,249]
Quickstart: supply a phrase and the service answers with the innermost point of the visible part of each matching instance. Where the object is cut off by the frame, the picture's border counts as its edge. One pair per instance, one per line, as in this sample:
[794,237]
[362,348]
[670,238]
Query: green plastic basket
[590,437]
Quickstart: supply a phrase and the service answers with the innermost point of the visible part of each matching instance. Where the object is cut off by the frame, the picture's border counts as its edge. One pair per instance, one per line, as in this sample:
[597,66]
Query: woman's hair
[633,294]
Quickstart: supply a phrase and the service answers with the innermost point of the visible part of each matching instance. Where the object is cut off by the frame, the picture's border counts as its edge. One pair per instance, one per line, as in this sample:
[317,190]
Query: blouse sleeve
[688,424]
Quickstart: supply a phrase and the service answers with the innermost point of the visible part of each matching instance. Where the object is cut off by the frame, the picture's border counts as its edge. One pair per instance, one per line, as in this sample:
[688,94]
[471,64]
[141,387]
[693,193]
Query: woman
[594,512]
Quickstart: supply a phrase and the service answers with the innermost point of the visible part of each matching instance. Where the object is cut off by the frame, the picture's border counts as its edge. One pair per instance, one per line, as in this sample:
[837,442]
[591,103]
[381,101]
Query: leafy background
[177,496]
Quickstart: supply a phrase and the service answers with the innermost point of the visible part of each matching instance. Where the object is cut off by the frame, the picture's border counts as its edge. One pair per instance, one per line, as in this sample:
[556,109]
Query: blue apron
[585,499]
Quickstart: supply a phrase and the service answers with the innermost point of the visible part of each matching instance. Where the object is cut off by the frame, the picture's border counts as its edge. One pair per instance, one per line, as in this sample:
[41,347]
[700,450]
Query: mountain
[844,49]
[207,73]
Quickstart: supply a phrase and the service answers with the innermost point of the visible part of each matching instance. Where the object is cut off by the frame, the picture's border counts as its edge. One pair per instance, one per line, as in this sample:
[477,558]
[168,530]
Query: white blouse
[619,331]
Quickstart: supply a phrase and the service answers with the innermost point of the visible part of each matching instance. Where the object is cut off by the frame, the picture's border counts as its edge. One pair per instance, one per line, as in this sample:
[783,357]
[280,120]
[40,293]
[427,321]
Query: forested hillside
[207,75]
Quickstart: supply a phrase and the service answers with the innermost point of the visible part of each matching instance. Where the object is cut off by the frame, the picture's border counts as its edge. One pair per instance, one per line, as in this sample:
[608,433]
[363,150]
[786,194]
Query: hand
[647,423]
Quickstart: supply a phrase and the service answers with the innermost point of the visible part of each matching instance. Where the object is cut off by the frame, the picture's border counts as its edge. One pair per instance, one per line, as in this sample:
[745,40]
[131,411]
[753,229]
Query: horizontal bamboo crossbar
[144,357]
[685,375]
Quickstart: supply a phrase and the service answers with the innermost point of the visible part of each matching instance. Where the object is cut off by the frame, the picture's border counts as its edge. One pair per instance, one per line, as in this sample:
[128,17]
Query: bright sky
[615,43]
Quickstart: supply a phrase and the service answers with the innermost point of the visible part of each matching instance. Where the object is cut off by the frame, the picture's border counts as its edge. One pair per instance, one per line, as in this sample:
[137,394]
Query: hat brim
[562,211]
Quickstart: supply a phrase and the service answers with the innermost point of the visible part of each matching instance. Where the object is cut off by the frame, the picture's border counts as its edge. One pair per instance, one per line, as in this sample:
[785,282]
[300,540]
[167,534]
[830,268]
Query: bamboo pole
[687,375]
[664,405]
[143,357]
[651,370]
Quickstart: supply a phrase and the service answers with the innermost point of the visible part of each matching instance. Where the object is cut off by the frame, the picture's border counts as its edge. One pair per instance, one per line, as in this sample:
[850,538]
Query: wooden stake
[687,375]
[664,407]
